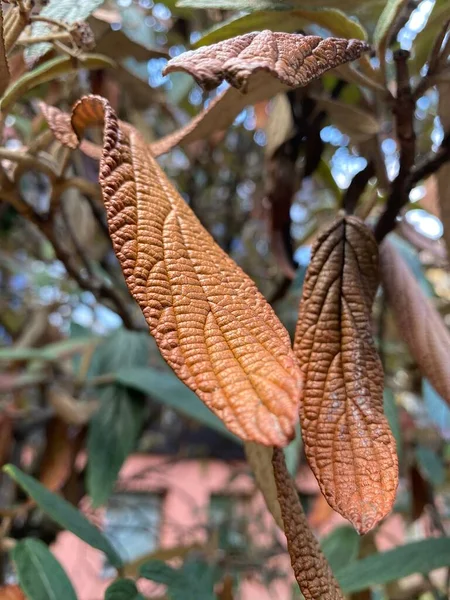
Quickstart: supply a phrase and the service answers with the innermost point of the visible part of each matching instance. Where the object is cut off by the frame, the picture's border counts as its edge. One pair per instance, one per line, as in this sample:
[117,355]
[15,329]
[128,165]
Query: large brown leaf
[292,58]
[417,320]
[312,571]
[347,438]
[210,322]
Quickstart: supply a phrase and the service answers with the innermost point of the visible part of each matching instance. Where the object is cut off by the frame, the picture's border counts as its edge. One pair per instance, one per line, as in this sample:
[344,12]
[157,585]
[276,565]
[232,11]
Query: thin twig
[357,187]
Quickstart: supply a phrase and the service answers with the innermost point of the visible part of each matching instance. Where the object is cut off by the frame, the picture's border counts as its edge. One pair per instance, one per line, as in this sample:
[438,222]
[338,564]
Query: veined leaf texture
[292,58]
[210,322]
[347,438]
[312,571]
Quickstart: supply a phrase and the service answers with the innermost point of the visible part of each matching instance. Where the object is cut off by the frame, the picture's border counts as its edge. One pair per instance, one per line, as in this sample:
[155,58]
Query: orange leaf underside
[347,438]
[210,322]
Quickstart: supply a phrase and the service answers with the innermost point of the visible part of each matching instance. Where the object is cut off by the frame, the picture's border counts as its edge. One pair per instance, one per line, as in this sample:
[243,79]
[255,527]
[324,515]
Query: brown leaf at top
[6,438]
[347,438]
[11,592]
[4,67]
[292,58]
[210,322]
[312,571]
[417,320]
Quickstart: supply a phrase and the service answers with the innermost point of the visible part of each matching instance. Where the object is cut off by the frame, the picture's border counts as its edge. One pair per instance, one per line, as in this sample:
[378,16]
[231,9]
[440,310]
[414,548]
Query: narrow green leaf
[341,547]
[430,465]
[424,40]
[123,589]
[51,69]
[438,409]
[60,10]
[40,575]
[165,388]
[50,352]
[64,513]
[292,451]
[113,434]
[159,571]
[194,581]
[337,22]
[418,557]
[386,22]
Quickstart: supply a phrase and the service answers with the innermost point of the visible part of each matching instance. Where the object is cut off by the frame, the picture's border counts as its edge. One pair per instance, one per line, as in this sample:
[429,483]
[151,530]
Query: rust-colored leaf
[312,571]
[347,438]
[59,455]
[292,58]
[418,322]
[4,67]
[11,592]
[260,460]
[210,322]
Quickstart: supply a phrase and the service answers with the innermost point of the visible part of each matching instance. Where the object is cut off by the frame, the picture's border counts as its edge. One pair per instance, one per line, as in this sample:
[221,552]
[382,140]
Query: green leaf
[60,10]
[386,22]
[430,465]
[438,409]
[337,22]
[64,513]
[341,547]
[378,569]
[194,581]
[113,434]
[292,451]
[51,352]
[51,69]
[167,389]
[123,589]
[424,40]
[40,575]
[391,412]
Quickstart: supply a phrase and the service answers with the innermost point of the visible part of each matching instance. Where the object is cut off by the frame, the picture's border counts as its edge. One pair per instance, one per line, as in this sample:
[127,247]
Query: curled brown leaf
[347,438]
[292,58]
[418,322]
[210,322]
[11,592]
[312,571]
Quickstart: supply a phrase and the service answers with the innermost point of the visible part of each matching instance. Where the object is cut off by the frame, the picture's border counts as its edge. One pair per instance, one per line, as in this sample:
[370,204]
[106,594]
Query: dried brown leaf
[6,438]
[347,438]
[57,460]
[4,67]
[11,592]
[312,571]
[292,58]
[418,322]
[70,410]
[260,460]
[210,322]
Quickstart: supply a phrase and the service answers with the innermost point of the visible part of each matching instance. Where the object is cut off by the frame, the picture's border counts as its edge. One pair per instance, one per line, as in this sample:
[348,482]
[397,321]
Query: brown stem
[357,187]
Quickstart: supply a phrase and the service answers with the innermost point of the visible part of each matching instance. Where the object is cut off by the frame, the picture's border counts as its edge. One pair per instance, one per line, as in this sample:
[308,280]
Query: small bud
[82,35]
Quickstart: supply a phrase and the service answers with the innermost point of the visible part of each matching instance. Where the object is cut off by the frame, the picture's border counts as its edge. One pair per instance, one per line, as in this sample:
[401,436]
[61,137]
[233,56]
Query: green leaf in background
[64,513]
[51,69]
[113,434]
[292,451]
[424,41]
[168,390]
[51,352]
[193,581]
[115,428]
[341,547]
[68,11]
[391,412]
[123,589]
[418,557]
[430,465]
[337,22]
[438,409]
[40,575]
[386,22]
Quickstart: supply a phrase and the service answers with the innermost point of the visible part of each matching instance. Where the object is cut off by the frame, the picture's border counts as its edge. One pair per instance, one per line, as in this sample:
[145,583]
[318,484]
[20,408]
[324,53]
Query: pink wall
[186,486]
